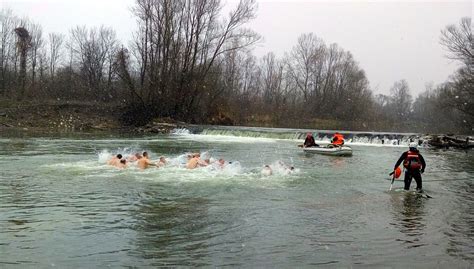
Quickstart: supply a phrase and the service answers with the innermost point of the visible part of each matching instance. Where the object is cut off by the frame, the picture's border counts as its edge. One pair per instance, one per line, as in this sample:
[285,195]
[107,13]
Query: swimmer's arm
[151,163]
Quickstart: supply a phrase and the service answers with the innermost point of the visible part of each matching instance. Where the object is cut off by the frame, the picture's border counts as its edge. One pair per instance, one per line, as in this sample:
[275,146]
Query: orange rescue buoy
[398,172]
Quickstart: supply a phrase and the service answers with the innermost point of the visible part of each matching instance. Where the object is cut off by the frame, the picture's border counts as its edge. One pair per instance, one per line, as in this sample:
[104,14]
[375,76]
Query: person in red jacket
[414,164]
[338,139]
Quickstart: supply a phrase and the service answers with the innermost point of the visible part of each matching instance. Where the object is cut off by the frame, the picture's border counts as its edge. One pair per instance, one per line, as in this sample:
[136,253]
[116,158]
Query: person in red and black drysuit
[414,164]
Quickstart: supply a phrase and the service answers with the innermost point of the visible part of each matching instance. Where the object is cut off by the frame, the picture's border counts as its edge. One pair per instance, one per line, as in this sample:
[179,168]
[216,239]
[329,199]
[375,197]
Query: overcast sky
[391,40]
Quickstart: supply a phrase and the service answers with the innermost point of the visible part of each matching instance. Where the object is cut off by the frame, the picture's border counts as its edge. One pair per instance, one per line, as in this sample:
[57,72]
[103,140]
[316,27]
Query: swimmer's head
[123,161]
[145,154]
[119,156]
[266,171]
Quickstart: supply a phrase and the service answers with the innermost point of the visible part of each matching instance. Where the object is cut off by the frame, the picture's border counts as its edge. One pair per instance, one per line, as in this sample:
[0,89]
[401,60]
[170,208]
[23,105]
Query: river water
[62,206]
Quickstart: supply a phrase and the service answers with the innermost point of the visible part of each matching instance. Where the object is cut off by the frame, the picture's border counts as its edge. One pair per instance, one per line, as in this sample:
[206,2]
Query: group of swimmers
[193,161]
[267,170]
[142,161]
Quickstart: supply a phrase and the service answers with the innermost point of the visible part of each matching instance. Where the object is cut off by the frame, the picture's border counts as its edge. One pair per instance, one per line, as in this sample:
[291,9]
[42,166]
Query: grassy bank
[65,116]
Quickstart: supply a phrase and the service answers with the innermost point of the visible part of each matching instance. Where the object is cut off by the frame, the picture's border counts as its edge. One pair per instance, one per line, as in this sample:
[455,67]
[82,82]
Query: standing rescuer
[414,164]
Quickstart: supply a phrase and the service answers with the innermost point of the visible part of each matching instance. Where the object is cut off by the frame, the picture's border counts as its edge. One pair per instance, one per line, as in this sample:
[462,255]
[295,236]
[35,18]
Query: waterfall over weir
[352,137]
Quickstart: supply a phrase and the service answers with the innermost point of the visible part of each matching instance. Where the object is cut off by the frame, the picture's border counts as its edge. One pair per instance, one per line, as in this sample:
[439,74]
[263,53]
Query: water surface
[61,205]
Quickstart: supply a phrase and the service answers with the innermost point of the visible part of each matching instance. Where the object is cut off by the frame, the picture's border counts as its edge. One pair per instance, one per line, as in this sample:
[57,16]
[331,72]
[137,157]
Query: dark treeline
[187,61]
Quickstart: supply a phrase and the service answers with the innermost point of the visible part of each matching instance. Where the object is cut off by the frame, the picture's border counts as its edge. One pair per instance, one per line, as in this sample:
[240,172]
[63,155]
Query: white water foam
[180,131]
[186,135]
[175,169]
[278,168]
[228,137]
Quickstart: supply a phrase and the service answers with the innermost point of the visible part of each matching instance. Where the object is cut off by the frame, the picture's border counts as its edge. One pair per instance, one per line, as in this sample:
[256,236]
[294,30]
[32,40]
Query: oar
[391,184]
[393,179]
[427,196]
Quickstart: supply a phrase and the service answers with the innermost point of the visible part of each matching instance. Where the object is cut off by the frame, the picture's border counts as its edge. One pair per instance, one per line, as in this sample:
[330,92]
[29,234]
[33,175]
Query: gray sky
[391,40]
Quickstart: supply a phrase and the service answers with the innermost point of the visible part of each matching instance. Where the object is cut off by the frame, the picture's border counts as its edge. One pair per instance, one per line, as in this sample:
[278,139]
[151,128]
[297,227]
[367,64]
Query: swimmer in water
[195,162]
[288,169]
[134,157]
[161,162]
[144,162]
[221,163]
[121,164]
[115,160]
[267,170]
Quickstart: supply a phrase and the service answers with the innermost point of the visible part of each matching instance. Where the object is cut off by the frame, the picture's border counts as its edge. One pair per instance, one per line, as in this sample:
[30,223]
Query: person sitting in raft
[309,141]
[337,140]
[195,162]
[115,160]
[144,162]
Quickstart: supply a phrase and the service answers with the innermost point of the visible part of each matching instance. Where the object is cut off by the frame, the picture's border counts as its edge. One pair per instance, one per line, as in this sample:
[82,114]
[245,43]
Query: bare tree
[7,49]
[458,93]
[93,50]
[23,45]
[306,64]
[459,41]
[55,52]
[36,34]
[401,100]
[178,45]
[122,65]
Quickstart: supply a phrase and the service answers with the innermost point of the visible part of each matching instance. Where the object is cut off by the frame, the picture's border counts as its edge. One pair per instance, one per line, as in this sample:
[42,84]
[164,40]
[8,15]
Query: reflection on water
[170,230]
[461,223]
[408,212]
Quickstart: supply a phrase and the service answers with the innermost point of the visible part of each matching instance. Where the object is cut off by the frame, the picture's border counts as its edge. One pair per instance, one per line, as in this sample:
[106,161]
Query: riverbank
[56,116]
[65,116]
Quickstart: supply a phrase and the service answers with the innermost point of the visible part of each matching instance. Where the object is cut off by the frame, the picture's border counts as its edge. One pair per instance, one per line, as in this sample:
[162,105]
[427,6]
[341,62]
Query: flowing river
[62,206]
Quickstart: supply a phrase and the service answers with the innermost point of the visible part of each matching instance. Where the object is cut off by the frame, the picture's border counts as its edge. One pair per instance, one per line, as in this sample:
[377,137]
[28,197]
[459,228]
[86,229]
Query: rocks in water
[157,128]
[5,125]
[450,141]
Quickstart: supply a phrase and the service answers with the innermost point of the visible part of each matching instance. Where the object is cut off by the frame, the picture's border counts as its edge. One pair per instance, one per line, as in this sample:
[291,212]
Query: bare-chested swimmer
[115,160]
[144,162]
[134,157]
[161,162]
[121,164]
[195,162]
